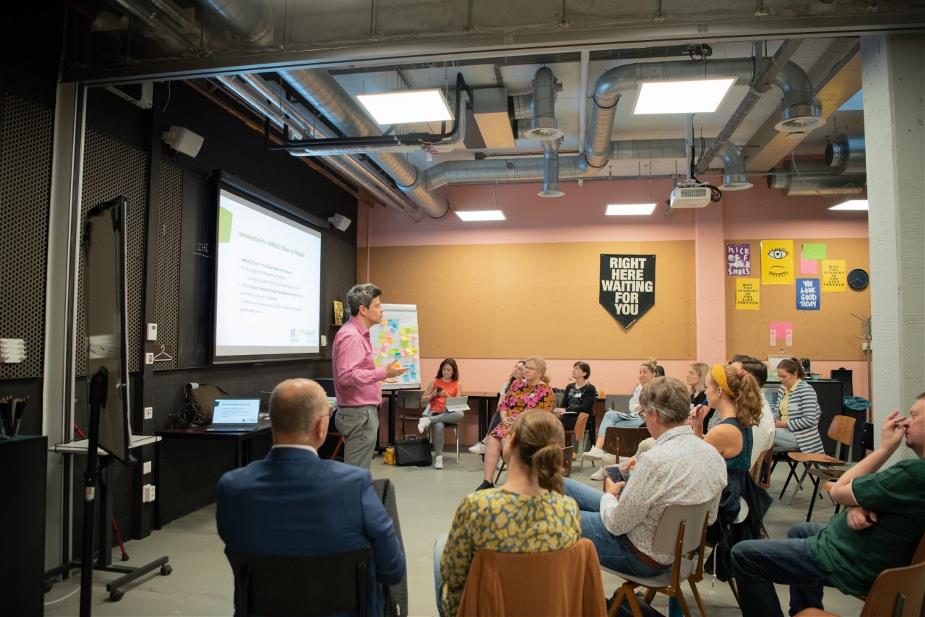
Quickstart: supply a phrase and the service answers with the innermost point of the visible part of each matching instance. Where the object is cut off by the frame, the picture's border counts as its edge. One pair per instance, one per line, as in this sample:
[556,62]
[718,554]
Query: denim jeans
[439,545]
[758,564]
[611,418]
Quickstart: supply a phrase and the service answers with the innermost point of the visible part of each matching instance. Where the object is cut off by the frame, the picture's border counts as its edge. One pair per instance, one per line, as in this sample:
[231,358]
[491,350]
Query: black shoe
[485,485]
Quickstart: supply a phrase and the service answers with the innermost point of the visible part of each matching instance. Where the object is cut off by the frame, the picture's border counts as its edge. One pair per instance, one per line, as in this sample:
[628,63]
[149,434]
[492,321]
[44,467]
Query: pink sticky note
[809,266]
[782,329]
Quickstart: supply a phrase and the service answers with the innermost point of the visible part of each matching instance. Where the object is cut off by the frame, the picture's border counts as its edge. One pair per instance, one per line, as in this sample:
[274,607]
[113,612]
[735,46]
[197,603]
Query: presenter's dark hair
[452,364]
[585,368]
[361,295]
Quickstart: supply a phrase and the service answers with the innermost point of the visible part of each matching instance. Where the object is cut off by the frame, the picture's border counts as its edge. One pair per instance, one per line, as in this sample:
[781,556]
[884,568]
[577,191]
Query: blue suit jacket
[293,503]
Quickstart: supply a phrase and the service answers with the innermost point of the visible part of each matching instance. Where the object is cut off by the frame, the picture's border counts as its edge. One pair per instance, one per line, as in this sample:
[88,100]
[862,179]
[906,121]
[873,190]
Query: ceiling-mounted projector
[690,196]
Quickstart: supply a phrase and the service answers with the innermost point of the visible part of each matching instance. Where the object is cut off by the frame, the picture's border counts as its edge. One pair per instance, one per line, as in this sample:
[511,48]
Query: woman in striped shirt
[797,411]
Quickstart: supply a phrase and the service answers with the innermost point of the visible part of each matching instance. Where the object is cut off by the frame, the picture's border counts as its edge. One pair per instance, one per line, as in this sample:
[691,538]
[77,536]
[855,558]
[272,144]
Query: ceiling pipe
[734,178]
[544,107]
[759,86]
[251,20]
[178,42]
[845,154]
[551,169]
[323,92]
[801,185]
[583,97]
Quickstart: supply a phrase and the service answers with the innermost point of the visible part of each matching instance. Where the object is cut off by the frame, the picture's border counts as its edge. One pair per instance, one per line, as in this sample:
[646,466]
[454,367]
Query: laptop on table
[235,415]
[457,403]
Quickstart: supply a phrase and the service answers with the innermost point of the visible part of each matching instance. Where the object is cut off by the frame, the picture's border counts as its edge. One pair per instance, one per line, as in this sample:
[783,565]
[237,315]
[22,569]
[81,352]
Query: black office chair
[275,585]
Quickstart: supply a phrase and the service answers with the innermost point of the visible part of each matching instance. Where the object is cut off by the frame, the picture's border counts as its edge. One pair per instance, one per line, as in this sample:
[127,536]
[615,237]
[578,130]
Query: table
[483,401]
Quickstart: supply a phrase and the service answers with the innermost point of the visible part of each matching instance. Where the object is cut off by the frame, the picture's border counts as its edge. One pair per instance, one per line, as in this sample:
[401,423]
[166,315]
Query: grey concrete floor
[201,583]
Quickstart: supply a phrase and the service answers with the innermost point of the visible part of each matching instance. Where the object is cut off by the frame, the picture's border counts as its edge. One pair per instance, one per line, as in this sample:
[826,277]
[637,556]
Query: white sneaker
[438,464]
[423,424]
[594,453]
[608,459]
[478,448]
[599,474]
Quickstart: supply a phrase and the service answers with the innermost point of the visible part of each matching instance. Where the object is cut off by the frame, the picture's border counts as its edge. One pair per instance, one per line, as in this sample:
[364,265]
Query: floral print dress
[522,397]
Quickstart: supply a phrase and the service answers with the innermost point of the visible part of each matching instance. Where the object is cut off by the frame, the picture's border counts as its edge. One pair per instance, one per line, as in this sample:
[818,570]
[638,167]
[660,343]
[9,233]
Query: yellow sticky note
[748,294]
[833,275]
[777,262]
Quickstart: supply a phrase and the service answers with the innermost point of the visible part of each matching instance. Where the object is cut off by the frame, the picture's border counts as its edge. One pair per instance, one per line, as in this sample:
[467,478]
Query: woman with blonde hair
[528,514]
[696,382]
[532,392]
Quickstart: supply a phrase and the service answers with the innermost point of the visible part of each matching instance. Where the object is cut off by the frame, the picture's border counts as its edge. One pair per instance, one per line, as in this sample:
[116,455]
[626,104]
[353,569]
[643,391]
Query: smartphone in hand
[615,474]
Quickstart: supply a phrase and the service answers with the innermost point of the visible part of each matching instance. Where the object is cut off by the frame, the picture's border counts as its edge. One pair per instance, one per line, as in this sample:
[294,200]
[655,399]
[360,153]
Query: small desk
[190,461]
[485,408]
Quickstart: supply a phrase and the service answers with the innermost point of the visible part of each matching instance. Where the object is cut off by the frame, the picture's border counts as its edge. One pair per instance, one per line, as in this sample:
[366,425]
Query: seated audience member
[579,396]
[880,530]
[631,419]
[517,373]
[528,514]
[734,394]
[696,382]
[445,385]
[763,432]
[294,503]
[533,392]
[679,469]
[797,410]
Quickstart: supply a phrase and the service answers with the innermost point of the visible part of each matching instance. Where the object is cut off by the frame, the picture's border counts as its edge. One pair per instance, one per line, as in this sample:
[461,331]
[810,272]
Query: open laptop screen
[236,411]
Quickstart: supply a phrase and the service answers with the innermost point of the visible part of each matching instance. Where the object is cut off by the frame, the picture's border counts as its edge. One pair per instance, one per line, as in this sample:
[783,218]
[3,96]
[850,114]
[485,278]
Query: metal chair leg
[812,501]
[792,474]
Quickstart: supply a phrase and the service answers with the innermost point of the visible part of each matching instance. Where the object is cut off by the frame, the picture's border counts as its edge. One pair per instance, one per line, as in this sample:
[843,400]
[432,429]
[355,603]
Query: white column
[893,78]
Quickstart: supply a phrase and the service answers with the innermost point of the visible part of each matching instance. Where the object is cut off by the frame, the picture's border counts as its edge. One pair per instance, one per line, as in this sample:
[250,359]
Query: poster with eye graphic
[777,262]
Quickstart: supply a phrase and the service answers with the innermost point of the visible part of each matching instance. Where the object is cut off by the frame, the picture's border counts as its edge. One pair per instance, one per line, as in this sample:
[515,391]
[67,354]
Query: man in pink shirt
[356,378]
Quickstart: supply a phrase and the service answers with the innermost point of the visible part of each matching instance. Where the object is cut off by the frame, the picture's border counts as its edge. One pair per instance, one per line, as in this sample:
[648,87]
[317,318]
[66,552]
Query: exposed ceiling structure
[554,103]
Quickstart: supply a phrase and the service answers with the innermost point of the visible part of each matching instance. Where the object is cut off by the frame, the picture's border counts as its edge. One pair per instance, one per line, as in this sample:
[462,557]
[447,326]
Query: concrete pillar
[893,79]
[710,278]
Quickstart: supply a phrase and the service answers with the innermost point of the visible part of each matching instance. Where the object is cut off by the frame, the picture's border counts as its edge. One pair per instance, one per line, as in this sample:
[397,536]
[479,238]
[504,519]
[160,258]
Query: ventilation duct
[251,20]
[489,107]
[846,154]
[544,107]
[551,169]
[815,178]
[801,113]
[734,178]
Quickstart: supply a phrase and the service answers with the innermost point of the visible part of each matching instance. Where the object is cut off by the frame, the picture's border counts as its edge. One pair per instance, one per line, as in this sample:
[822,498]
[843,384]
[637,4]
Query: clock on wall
[858,279]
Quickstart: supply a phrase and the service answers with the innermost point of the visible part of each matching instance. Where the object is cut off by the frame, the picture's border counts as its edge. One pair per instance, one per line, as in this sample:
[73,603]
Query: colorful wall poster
[738,259]
[808,294]
[780,333]
[748,294]
[777,262]
[834,275]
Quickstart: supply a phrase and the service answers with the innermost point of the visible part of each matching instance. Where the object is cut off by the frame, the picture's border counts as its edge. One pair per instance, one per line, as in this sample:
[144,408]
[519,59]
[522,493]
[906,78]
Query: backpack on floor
[412,451]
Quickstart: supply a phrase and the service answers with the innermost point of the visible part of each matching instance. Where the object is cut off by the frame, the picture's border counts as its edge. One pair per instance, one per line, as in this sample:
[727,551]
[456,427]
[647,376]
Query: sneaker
[608,459]
[438,464]
[423,424]
[485,485]
[594,453]
[599,474]
[478,448]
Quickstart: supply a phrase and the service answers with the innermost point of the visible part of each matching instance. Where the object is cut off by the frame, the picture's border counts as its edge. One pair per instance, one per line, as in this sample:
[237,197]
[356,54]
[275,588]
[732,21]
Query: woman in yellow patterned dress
[529,514]
[532,392]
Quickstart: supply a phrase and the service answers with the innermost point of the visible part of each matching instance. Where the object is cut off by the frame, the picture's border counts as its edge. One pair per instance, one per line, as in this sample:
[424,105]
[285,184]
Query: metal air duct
[800,185]
[544,107]
[846,154]
[734,178]
[551,169]
[251,20]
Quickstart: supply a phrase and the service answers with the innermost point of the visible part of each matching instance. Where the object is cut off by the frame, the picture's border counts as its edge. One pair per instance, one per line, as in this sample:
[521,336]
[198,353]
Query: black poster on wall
[627,286]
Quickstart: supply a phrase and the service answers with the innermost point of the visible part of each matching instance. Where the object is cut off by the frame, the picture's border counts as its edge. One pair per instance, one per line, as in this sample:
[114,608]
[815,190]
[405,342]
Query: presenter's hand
[394,370]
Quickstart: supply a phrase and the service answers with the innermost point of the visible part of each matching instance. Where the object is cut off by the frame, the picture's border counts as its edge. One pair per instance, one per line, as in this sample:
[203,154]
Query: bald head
[297,406]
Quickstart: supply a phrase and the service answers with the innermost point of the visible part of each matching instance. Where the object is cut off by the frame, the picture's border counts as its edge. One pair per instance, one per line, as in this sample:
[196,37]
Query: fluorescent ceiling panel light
[851,204]
[681,97]
[480,215]
[629,209]
[407,106]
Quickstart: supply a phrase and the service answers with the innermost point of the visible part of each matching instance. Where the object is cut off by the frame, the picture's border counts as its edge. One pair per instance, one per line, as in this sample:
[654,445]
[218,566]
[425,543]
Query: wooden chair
[897,592]
[822,467]
[568,455]
[274,585]
[624,441]
[412,400]
[762,469]
[681,531]
[581,435]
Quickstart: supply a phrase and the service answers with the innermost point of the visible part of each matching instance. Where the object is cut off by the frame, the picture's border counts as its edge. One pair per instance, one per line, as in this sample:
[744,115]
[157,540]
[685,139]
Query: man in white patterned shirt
[679,470]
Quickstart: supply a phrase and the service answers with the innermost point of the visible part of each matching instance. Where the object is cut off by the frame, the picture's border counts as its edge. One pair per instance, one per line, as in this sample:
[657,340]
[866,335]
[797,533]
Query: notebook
[235,415]
[457,403]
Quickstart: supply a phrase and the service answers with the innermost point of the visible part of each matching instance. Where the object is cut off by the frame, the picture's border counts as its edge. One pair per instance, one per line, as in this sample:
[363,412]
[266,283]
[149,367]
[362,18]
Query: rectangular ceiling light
[681,97]
[407,106]
[629,209]
[480,215]
[851,204]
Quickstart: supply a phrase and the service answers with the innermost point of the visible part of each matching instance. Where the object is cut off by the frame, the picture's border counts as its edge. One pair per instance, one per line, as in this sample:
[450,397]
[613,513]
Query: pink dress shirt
[356,378]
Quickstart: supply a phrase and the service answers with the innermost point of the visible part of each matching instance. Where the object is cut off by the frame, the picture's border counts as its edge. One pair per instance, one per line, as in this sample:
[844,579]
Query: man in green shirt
[880,530]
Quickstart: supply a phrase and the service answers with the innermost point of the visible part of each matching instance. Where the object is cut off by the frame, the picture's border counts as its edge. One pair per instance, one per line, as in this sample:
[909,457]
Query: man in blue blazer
[294,503]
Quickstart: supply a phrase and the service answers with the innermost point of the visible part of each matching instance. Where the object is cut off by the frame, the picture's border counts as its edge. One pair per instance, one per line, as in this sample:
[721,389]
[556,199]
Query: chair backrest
[762,467]
[919,556]
[624,441]
[410,399]
[842,429]
[564,582]
[580,425]
[290,586]
[666,534]
[559,396]
[620,402]
[898,592]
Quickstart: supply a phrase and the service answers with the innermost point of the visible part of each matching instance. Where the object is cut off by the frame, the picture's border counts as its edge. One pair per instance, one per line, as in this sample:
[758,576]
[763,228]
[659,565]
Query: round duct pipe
[796,185]
[544,107]
[846,154]
[551,170]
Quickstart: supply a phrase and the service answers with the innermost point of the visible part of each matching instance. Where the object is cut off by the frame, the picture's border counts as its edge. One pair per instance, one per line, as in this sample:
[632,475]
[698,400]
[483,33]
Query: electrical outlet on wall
[149,413]
[148,493]
[152,332]
[146,468]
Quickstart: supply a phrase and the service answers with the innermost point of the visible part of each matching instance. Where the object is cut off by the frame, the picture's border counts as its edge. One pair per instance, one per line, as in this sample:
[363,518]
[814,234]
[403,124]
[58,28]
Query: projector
[690,197]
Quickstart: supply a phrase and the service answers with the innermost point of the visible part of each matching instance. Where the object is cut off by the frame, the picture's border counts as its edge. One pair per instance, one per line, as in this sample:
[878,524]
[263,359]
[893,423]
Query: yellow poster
[833,275]
[748,294]
[777,262]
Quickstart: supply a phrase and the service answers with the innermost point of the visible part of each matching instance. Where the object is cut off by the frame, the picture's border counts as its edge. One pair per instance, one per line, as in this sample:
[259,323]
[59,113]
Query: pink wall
[579,217]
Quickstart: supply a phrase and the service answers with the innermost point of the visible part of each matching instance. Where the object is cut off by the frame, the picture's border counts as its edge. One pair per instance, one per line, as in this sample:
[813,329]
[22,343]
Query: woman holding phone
[446,384]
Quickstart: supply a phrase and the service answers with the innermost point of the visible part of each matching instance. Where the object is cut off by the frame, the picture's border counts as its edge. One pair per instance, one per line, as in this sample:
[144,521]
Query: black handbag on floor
[413,451]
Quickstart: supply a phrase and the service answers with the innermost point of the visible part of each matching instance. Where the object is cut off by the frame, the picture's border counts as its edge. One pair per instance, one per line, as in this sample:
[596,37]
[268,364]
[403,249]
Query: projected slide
[268,283]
